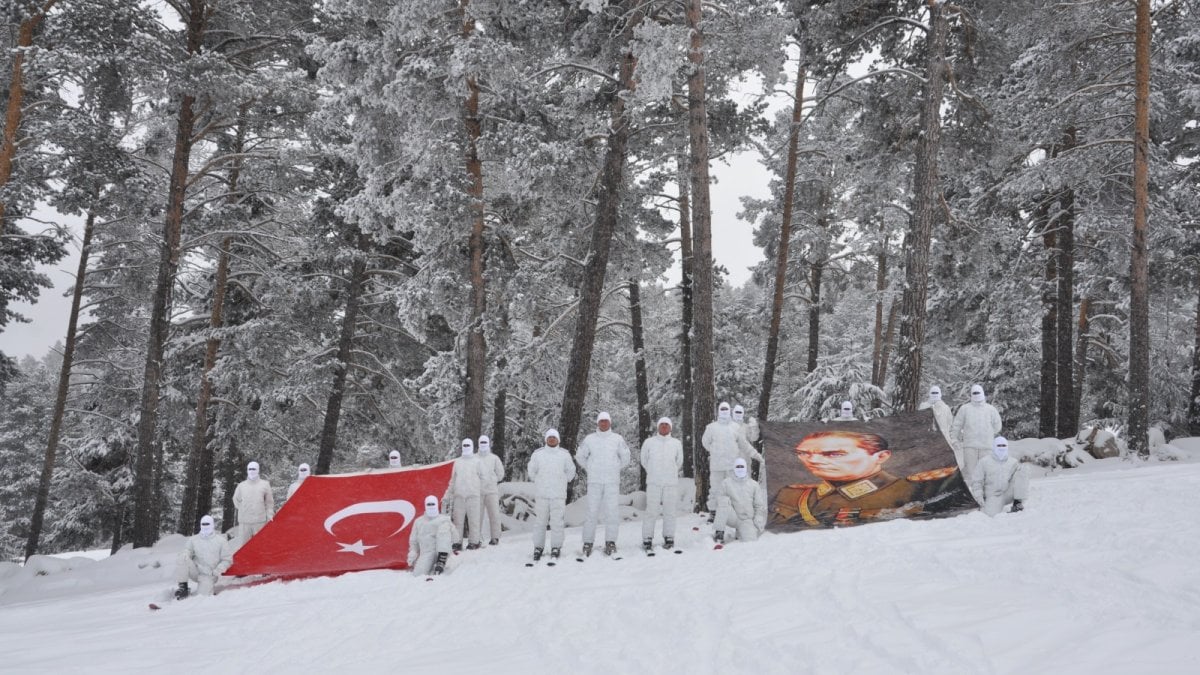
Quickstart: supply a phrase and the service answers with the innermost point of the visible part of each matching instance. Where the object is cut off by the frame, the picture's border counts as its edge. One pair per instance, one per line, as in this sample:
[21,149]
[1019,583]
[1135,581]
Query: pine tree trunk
[784,244]
[234,461]
[639,372]
[472,424]
[926,195]
[1047,401]
[1194,403]
[1139,259]
[145,525]
[687,412]
[815,272]
[1068,419]
[1081,350]
[60,399]
[702,295]
[500,423]
[16,97]
[877,356]
[345,356]
[888,334]
[591,291]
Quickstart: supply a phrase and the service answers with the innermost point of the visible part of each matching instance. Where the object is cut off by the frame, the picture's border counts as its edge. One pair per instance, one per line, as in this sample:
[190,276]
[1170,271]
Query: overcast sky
[732,247]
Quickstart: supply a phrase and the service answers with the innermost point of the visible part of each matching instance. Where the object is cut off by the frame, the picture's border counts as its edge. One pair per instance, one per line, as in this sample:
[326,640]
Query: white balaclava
[847,410]
[723,412]
[739,413]
[1000,448]
[935,394]
[468,447]
[394,459]
[977,394]
[739,468]
[302,472]
[666,421]
[485,445]
[603,417]
[206,527]
[431,506]
[552,433]
[252,471]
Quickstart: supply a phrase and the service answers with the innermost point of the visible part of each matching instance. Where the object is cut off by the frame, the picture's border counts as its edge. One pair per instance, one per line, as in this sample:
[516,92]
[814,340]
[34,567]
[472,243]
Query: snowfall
[1097,575]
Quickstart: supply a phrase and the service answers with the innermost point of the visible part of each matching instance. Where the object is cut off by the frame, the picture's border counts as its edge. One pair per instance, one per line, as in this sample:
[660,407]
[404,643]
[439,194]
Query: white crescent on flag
[400,506]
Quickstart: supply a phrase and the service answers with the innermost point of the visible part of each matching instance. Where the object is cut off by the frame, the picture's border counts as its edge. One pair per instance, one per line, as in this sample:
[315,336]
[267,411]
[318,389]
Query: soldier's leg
[474,516]
[541,518]
[185,569]
[612,512]
[558,511]
[458,513]
[653,510]
[970,459]
[715,478]
[670,504]
[205,584]
[746,531]
[491,504]
[424,563]
[594,496]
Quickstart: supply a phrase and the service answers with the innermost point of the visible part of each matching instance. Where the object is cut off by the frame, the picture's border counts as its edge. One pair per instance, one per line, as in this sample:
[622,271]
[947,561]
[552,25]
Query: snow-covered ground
[1097,576]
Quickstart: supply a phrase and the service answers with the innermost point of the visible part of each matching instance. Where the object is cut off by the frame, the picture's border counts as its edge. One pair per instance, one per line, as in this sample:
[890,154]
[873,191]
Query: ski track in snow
[1096,576]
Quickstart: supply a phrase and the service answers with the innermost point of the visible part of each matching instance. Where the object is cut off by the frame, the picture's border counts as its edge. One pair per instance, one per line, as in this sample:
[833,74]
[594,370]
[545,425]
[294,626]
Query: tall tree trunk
[639,372]
[145,524]
[888,335]
[16,97]
[926,194]
[1194,403]
[1081,350]
[815,272]
[785,241]
[234,461]
[1139,259]
[877,357]
[1047,401]
[1068,420]
[500,423]
[591,290]
[345,356]
[60,399]
[687,412]
[476,345]
[702,295]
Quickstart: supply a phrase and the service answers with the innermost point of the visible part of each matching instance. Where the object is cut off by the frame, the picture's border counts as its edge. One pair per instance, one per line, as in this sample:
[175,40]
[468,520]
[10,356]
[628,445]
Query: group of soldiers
[737,504]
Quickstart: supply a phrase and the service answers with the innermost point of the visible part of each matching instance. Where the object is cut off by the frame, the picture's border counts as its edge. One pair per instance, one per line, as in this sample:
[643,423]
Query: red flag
[343,523]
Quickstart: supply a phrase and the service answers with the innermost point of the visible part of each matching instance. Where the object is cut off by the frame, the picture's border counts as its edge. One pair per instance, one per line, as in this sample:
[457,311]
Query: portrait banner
[833,474]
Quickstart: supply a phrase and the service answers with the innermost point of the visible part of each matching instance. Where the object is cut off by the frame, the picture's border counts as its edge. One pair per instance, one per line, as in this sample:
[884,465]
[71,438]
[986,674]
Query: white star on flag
[357,547]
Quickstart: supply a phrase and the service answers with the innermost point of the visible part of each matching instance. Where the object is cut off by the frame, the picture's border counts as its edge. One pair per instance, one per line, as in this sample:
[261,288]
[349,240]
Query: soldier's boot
[456,547]
[181,593]
[1017,506]
[439,565]
[494,542]
[537,554]
[554,554]
[610,547]
[587,549]
[719,536]
[648,544]
[473,546]
[668,543]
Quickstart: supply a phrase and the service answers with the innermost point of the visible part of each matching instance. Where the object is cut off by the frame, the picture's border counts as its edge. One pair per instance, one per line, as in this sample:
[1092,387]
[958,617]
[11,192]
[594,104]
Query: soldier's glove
[440,565]
[1017,506]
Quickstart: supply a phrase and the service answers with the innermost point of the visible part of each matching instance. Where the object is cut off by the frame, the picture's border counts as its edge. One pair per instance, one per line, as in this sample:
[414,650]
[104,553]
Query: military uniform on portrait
[881,496]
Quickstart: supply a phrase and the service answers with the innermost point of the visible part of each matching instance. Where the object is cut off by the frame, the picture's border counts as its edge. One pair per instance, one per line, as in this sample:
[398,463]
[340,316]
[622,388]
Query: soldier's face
[839,459]
[664,429]
[603,425]
[552,441]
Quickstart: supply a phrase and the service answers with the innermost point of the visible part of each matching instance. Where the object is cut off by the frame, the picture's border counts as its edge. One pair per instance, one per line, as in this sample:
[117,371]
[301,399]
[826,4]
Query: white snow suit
[602,454]
[204,559]
[724,443]
[742,506]
[492,472]
[996,483]
[293,487]
[943,415]
[974,427]
[661,457]
[550,469]
[465,496]
[430,536]
[255,506]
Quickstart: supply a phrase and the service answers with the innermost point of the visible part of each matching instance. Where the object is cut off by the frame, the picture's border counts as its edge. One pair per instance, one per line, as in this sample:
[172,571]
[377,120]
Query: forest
[319,231]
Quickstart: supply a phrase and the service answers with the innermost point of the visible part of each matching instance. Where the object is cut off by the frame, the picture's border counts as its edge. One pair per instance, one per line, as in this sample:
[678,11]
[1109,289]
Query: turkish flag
[343,523]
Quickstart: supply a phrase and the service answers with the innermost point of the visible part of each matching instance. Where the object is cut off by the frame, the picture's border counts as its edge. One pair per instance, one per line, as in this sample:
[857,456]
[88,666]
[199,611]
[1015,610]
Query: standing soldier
[975,425]
[301,474]
[464,494]
[394,460]
[602,455]
[749,428]
[724,443]
[661,457]
[551,469]
[254,503]
[493,473]
[941,413]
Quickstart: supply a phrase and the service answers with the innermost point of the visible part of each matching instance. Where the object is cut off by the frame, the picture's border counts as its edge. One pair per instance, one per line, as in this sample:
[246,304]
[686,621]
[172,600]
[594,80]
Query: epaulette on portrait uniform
[803,486]
[934,474]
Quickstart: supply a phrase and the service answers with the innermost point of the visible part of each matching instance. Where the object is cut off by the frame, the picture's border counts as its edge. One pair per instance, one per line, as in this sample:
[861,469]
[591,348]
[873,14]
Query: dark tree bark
[1194,403]
[926,194]
[702,294]
[145,523]
[1081,350]
[784,244]
[815,273]
[1068,419]
[1139,259]
[1047,400]
[877,356]
[500,423]
[591,289]
[345,356]
[888,335]
[60,398]
[476,344]
[234,461]
[687,413]
[639,372]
